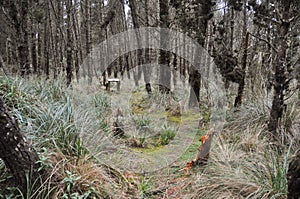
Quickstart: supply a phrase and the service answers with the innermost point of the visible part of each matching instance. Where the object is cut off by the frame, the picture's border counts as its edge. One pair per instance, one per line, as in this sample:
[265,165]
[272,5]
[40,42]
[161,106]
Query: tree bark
[88,39]
[293,177]
[280,71]
[23,47]
[203,16]
[46,60]
[15,150]
[69,67]
[164,57]
[238,99]
[33,49]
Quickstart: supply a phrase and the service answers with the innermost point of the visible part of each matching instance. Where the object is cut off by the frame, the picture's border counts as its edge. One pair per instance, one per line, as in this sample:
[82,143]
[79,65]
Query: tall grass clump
[245,162]
[235,173]
[55,118]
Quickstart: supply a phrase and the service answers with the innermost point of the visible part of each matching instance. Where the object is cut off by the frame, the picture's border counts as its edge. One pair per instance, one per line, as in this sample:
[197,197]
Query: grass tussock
[245,161]
[55,118]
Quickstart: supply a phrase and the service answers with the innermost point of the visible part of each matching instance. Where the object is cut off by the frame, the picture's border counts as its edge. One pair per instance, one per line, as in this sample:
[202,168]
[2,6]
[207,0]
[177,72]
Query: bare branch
[272,46]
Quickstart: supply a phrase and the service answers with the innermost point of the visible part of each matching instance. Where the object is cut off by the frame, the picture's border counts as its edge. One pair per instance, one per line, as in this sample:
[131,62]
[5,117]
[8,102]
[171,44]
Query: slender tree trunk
[147,67]
[33,49]
[164,57]
[46,43]
[194,73]
[280,71]
[61,37]
[139,53]
[88,39]
[23,47]
[76,41]
[69,67]
[39,49]
[238,99]
[5,69]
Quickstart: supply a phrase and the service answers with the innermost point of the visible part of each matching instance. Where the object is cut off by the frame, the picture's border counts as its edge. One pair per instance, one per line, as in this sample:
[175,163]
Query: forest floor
[98,144]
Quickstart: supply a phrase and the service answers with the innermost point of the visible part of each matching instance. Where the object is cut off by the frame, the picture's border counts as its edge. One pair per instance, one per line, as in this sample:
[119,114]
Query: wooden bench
[113,80]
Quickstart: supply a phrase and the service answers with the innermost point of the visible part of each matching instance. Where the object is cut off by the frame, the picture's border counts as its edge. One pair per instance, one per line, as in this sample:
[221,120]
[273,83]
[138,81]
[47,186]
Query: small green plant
[73,187]
[101,103]
[145,187]
[70,181]
[43,162]
[167,135]
[278,172]
[142,140]
[141,121]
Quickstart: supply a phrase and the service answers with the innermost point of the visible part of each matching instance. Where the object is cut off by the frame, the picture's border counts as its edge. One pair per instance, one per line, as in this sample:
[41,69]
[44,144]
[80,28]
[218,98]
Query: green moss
[176,119]
[152,150]
[139,102]
[191,152]
[185,118]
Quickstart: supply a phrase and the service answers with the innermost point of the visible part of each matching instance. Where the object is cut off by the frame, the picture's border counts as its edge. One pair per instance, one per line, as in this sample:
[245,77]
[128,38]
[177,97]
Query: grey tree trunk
[88,39]
[164,56]
[203,16]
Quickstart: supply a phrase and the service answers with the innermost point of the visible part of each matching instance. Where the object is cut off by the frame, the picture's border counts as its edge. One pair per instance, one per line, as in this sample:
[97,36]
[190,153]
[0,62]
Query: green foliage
[141,120]
[71,181]
[44,157]
[145,187]
[72,185]
[167,135]
[101,103]
[13,97]
[102,107]
[278,171]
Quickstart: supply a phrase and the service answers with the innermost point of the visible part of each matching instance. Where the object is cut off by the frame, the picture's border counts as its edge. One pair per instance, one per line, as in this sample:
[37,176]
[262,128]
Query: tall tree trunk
[16,152]
[39,49]
[139,53]
[76,41]
[238,99]
[280,70]
[164,57]
[46,43]
[88,39]
[69,68]
[203,16]
[33,49]
[61,37]
[23,47]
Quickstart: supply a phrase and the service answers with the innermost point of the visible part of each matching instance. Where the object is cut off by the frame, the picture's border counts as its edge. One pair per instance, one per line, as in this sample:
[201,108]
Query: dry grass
[245,162]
